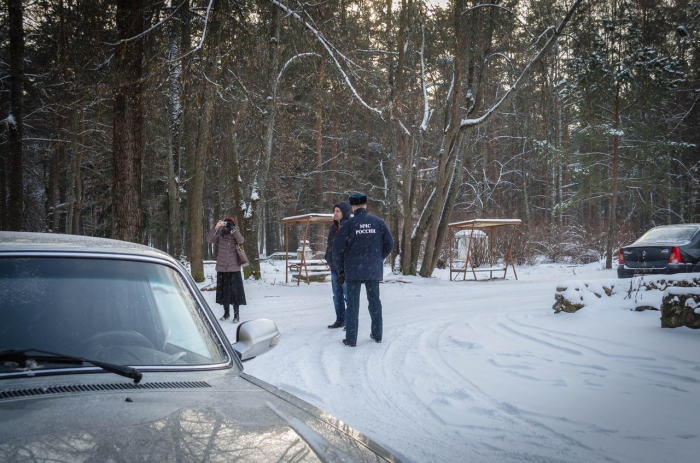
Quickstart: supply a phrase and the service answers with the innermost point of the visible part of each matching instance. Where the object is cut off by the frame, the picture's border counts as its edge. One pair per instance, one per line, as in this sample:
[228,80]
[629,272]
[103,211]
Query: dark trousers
[352,310]
[339,297]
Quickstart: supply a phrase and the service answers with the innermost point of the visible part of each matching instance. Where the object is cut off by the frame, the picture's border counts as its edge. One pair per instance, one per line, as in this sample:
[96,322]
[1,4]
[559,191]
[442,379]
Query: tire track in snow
[566,336]
[434,411]
[441,388]
[648,368]
[522,431]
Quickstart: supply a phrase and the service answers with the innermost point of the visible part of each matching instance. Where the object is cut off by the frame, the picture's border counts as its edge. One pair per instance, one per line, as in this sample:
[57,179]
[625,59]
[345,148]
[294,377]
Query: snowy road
[485,371]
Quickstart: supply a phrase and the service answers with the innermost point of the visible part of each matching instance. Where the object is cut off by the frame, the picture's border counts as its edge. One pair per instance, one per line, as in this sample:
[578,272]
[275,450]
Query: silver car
[108,352]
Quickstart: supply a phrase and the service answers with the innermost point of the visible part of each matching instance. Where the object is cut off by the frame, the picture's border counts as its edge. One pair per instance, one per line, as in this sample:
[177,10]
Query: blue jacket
[362,244]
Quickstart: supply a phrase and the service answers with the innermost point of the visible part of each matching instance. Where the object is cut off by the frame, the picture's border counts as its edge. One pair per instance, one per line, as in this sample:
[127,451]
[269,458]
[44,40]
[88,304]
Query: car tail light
[675,257]
[621,257]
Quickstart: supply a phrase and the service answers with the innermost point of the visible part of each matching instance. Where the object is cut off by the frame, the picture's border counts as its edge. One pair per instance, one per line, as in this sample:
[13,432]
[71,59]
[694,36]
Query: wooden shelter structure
[303,266]
[488,226]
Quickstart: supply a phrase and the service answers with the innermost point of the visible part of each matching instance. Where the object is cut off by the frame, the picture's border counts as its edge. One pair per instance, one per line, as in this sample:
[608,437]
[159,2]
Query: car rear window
[670,234]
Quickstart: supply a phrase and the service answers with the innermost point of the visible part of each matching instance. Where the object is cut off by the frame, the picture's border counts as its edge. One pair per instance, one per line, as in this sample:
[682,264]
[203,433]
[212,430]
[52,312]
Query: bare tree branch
[524,74]
[331,53]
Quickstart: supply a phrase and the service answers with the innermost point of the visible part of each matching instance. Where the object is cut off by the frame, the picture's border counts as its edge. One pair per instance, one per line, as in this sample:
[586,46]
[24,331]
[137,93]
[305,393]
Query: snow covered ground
[486,372]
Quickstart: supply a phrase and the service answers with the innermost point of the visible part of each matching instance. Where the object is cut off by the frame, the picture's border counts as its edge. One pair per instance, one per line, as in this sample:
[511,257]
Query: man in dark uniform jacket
[359,250]
[341,213]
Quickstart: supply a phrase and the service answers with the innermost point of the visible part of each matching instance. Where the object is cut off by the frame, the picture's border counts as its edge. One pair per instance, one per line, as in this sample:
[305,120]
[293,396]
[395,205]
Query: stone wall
[681,307]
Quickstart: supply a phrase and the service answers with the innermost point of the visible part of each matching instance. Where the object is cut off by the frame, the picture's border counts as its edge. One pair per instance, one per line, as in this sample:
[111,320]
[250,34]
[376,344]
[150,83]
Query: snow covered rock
[680,307]
[572,296]
[638,294]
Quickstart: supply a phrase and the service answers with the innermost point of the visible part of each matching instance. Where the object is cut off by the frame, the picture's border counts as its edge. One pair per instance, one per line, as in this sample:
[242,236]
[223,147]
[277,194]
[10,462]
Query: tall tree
[178,35]
[471,55]
[127,140]
[617,79]
[253,218]
[199,112]
[14,218]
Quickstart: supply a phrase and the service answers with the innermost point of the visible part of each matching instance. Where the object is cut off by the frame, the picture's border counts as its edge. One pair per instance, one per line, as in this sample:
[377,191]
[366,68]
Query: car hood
[210,417]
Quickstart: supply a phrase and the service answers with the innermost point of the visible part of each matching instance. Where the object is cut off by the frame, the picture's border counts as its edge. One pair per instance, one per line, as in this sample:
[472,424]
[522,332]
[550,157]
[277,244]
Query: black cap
[357,199]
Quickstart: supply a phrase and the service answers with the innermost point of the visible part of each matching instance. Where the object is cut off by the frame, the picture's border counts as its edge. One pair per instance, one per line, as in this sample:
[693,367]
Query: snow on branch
[300,55]
[544,32]
[155,26]
[424,211]
[204,32]
[523,75]
[405,130]
[426,107]
[329,49]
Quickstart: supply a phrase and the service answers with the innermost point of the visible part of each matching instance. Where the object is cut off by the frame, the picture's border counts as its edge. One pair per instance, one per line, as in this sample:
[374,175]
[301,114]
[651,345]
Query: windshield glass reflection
[118,311]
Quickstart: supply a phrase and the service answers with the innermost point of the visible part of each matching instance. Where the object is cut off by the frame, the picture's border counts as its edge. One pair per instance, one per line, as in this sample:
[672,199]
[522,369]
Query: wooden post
[449,235]
[509,256]
[303,255]
[286,252]
[491,253]
[469,254]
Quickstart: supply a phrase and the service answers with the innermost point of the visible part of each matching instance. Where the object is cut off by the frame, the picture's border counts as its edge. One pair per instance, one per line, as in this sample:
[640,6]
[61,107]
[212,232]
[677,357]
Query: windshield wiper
[21,357]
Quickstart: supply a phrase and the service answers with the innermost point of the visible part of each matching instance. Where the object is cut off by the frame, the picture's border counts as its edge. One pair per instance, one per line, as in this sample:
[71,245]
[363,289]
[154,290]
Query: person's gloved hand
[341,279]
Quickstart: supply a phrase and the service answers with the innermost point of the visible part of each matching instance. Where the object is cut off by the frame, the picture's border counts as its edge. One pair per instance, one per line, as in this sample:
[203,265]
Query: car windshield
[119,311]
[670,234]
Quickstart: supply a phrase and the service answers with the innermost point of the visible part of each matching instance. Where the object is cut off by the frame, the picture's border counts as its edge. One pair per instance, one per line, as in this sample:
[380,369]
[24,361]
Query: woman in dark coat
[229,282]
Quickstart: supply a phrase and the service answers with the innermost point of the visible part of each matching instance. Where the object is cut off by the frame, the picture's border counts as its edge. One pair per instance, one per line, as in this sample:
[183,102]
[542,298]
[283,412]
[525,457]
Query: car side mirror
[255,337]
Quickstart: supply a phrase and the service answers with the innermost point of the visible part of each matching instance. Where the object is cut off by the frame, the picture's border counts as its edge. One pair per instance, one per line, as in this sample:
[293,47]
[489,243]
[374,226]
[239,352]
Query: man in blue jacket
[359,250]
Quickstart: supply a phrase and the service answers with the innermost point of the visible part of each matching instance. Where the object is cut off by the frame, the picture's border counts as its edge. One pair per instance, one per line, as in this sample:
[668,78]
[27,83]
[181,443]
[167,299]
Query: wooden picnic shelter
[308,267]
[488,226]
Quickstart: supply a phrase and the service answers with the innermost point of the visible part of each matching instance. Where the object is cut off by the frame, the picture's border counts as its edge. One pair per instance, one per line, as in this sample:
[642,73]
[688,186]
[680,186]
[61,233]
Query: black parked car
[108,352]
[662,250]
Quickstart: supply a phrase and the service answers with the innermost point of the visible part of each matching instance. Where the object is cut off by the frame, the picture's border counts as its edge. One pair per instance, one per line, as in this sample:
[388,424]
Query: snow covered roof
[484,223]
[312,218]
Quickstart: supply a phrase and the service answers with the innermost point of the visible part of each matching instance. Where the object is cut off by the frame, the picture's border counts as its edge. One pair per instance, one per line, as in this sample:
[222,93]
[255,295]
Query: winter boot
[235,314]
[226,313]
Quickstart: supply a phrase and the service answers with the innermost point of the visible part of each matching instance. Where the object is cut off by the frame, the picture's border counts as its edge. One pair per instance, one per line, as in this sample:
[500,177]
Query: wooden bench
[317,270]
[481,269]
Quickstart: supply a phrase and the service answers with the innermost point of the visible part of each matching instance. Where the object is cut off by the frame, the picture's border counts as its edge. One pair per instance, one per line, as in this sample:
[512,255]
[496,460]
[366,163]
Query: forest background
[149,120]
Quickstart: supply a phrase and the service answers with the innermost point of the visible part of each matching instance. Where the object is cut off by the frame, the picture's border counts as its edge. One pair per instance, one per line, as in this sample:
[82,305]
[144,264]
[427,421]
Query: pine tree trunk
[333,164]
[78,180]
[3,188]
[176,35]
[253,219]
[410,172]
[52,199]
[202,111]
[14,219]
[319,135]
[612,215]
[127,137]
[197,156]
[392,198]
